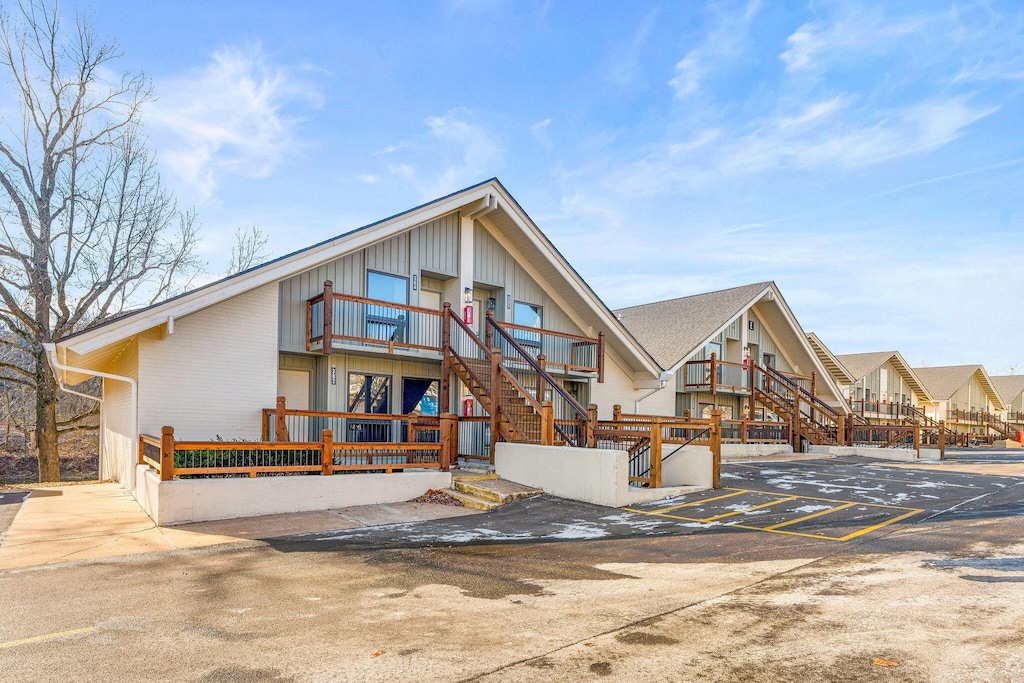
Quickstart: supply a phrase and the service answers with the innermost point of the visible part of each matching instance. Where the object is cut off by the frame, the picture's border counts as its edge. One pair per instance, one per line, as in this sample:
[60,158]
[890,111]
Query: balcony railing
[334,320]
[716,376]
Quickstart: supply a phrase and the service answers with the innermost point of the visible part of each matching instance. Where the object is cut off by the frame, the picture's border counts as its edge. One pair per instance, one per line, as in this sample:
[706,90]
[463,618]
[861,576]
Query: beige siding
[118,448]
[216,372]
[971,397]
[495,270]
[429,251]
[617,388]
[396,368]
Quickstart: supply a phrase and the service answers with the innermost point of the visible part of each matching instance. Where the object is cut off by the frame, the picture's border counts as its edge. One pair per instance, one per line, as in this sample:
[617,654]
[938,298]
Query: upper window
[383,287]
[528,315]
[713,348]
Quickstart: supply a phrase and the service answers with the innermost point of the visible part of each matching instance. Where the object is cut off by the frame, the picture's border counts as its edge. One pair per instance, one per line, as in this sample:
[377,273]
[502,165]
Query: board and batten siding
[118,450]
[494,268]
[971,396]
[216,372]
[893,386]
[396,368]
[430,251]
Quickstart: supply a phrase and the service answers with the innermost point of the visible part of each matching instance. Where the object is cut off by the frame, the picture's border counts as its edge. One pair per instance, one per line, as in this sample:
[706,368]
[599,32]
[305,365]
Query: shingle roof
[1008,386]
[860,364]
[943,382]
[670,330]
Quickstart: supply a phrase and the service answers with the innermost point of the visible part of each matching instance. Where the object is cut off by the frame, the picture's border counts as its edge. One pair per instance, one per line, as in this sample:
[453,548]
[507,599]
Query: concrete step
[498,491]
[471,501]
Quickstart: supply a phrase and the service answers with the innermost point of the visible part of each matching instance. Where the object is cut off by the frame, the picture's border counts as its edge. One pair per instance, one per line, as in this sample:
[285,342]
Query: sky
[868,158]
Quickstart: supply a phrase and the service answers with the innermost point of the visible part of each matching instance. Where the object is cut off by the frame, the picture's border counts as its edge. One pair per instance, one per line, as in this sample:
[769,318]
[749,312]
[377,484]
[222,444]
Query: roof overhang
[828,359]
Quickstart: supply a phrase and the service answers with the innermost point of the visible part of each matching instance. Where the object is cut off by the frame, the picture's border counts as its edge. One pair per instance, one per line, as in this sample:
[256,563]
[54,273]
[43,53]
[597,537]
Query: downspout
[663,378]
[60,368]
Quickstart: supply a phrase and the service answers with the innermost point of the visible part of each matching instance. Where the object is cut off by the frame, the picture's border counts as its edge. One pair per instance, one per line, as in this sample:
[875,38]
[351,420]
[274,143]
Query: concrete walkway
[93,521]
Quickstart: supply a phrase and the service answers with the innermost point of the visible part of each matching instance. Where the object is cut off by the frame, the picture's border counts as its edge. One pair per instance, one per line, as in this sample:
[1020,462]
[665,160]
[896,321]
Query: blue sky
[868,158]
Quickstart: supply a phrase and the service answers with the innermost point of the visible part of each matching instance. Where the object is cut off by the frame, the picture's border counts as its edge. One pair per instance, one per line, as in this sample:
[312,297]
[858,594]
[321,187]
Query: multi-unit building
[964,397]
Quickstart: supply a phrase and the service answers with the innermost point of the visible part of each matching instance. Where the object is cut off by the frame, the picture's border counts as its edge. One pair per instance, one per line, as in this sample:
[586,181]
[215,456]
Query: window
[713,348]
[528,315]
[768,359]
[385,287]
[383,322]
[369,394]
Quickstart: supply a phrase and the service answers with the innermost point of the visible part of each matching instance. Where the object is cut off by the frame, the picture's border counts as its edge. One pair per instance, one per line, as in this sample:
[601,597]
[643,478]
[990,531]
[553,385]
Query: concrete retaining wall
[736,451]
[594,475]
[199,500]
[901,454]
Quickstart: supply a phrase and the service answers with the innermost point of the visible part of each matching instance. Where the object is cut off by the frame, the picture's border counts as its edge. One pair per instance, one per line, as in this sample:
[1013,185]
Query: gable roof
[861,364]
[942,382]
[831,362]
[1008,386]
[672,330]
[503,214]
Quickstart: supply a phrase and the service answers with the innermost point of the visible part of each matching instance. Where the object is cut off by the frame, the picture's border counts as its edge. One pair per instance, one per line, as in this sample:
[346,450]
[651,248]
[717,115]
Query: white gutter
[60,368]
[663,378]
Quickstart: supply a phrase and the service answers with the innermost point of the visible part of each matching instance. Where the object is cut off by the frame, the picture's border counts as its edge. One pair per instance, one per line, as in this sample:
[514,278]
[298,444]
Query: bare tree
[250,249]
[86,229]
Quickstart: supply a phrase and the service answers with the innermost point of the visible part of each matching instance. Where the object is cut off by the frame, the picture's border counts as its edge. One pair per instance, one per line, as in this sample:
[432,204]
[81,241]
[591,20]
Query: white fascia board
[274,272]
[922,390]
[613,324]
[986,383]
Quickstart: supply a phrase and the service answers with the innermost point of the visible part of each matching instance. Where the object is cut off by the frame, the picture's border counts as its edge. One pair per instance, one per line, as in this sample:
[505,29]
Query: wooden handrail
[386,304]
[550,333]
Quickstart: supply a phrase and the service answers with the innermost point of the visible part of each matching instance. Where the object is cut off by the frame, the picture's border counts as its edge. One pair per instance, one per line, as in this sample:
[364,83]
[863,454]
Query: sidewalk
[93,521]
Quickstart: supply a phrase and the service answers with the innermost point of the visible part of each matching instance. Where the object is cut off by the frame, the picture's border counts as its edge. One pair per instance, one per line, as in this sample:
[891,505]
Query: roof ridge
[691,296]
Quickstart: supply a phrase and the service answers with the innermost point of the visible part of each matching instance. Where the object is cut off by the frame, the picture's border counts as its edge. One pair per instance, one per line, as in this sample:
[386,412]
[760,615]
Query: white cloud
[859,31]
[722,44]
[457,152]
[539,131]
[368,178]
[236,116]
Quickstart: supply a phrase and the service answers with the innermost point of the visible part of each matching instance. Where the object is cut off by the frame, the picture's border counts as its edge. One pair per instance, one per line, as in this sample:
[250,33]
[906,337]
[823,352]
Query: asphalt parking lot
[814,570]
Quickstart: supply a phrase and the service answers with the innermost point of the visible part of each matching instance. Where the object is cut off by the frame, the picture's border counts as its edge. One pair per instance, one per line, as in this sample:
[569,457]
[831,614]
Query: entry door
[294,386]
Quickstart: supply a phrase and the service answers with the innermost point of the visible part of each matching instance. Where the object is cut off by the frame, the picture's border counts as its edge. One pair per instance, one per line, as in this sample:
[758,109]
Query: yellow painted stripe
[48,636]
[738,492]
[869,529]
[750,509]
[819,513]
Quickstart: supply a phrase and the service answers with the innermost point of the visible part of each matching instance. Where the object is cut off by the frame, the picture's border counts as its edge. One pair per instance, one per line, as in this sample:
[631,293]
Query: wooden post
[617,413]
[600,357]
[410,428]
[743,431]
[496,394]
[752,372]
[547,424]
[444,391]
[142,451]
[327,452]
[542,361]
[591,436]
[716,448]
[488,333]
[167,454]
[841,431]
[655,453]
[917,439]
[794,421]
[942,439]
[714,374]
[449,446]
[814,381]
[280,425]
[328,344]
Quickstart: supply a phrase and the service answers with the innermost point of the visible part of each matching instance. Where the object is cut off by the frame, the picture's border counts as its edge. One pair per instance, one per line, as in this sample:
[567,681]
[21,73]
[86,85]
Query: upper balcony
[351,323]
[724,377]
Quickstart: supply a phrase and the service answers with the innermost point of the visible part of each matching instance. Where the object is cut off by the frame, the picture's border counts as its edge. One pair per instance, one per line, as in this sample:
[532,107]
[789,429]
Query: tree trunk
[46,420]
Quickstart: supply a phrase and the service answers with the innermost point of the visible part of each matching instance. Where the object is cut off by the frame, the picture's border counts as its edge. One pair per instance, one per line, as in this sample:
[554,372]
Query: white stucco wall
[198,500]
[215,373]
[617,388]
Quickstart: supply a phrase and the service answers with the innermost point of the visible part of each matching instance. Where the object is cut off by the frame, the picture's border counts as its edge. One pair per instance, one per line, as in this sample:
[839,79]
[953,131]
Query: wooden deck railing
[332,317]
[252,458]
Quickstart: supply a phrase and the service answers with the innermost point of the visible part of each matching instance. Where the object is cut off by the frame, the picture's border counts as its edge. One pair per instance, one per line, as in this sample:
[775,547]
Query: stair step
[474,502]
[496,490]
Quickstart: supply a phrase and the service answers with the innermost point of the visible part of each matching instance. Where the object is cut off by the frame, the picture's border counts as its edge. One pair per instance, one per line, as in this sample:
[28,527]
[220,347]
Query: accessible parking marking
[855,518]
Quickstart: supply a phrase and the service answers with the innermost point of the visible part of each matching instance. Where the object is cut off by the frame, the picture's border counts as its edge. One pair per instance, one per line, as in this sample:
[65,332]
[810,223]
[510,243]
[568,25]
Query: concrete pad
[68,523]
[991,468]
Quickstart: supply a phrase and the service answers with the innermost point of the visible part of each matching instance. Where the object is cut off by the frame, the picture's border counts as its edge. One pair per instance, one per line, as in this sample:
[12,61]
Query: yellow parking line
[750,509]
[832,500]
[819,513]
[857,476]
[48,636]
[887,522]
[738,492]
